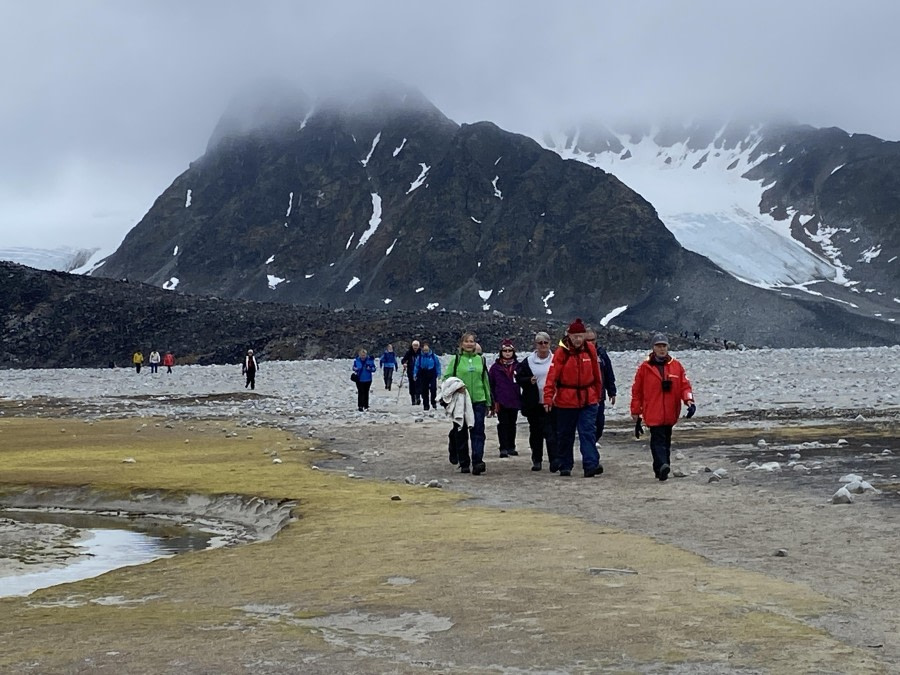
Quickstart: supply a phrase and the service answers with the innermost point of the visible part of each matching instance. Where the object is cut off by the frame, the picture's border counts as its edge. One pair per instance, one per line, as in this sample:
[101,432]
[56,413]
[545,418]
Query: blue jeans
[585,421]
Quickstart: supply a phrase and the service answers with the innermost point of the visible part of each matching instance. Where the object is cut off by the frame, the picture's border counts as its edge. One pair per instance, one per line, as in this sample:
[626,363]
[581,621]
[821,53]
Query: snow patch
[420,289]
[290,205]
[497,193]
[349,241]
[187,199]
[475,220]
[270,259]
[374,221]
[171,284]
[485,295]
[399,148]
[375,140]
[612,315]
[421,179]
[387,301]
[273,281]
[309,276]
[546,299]
[353,282]
[175,252]
[390,248]
[433,305]
[870,254]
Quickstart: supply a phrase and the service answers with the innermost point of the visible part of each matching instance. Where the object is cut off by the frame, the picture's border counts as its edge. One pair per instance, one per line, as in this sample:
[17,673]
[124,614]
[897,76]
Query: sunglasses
[543,342]
[507,349]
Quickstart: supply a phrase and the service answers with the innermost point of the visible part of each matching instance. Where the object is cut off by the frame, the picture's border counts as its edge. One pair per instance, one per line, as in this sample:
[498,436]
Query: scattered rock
[780,553]
[859,418]
[721,473]
[842,496]
[129,460]
[850,478]
[842,441]
[770,466]
[714,479]
[679,455]
[410,479]
[434,484]
[678,473]
[794,455]
[395,498]
[761,443]
[276,460]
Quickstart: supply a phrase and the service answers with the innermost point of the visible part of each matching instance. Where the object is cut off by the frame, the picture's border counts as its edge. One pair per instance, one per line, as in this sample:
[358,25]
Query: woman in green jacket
[470,367]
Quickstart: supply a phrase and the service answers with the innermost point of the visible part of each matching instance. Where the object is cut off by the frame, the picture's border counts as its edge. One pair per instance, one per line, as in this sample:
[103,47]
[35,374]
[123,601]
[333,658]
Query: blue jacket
[428,361]
[388,360]
[364,368]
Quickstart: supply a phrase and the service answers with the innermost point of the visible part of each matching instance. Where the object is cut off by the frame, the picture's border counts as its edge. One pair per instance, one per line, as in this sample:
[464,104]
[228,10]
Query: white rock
[678,473]
[795,455]
[886,452]
[761,443]
[849,478]
[800,467]
[410,479]
[842,496]
[433,484]
[679,455]
[771,466]
[843,441]
[276,461]
[859,418]
[129,460]
[855,487]
[752,466]
[720,473]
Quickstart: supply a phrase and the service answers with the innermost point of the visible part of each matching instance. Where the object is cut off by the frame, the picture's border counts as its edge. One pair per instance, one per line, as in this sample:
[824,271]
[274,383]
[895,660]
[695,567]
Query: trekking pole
[400,386]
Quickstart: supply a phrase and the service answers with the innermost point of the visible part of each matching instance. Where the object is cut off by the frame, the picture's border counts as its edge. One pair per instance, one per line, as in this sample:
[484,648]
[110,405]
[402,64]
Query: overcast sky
[105,102]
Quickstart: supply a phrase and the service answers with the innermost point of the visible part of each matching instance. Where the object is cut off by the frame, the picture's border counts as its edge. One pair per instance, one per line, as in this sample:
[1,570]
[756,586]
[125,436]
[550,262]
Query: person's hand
[496,408]
[533,379]
[612,400]
[692,408]
[635,418]
[638,428]
[490,412]
[547,407]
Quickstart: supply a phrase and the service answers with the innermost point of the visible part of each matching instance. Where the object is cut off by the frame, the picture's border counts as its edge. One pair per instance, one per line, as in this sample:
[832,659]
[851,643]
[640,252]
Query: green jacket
[472,370]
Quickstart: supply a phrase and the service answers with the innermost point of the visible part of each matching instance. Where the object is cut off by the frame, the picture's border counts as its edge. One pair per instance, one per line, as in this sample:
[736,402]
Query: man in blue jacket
[609,382]
[426,372]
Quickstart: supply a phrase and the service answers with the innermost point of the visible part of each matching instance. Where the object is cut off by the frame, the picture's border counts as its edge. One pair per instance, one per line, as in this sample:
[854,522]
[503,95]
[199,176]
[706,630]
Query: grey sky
[104,102]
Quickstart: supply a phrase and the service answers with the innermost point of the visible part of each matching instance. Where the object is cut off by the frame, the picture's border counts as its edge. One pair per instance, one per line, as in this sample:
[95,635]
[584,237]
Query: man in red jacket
[660,386]
[574,389]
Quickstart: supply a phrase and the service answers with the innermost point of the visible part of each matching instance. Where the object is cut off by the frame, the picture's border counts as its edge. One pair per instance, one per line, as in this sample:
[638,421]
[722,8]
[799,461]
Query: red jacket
[573,380]
[658,407]
[168,360]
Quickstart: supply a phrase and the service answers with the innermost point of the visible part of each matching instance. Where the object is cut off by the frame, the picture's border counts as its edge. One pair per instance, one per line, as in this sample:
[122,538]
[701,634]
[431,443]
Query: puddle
[105,543]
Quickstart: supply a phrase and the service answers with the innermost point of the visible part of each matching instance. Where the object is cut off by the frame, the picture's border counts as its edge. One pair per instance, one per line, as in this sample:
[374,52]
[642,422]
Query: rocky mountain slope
[380,201]
[53,319]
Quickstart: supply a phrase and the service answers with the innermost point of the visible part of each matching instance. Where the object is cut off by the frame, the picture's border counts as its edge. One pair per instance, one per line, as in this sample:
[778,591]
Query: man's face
[577,339]
[661,349]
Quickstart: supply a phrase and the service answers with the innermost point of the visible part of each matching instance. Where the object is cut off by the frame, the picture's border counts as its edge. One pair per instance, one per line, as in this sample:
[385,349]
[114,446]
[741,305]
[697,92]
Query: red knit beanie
[507,343]
[577,326]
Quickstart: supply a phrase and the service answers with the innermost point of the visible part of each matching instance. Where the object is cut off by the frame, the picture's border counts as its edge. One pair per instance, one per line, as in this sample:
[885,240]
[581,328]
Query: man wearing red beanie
[574,388]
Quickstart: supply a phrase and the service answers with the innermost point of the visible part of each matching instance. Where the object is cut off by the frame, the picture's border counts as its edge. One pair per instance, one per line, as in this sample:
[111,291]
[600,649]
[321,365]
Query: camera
[667,385]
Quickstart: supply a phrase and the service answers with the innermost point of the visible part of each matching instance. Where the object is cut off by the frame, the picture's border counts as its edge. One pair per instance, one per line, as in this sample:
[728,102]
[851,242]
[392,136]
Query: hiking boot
[513,452]
[664,472]
[478,468]
[554,467]
[596,471]
[504,454]
[536,466]
[464,469]
[563,472]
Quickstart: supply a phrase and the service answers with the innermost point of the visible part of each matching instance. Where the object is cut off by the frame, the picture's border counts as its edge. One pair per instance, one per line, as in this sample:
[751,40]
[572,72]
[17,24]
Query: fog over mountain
[105,101]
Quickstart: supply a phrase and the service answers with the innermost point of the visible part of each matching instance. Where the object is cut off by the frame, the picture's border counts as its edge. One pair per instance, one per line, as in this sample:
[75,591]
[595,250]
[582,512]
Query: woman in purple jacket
[506,397]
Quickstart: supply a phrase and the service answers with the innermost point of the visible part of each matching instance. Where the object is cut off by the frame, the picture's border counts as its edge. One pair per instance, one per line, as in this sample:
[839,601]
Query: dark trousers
[154,367]
[388,378]
[601,419]
[583,420]
[137,367]
[660,445]
[251,379]
[168,369]
[413,389]
[426,380]
[460,436]
[362,394]
[506,429]
[542,429]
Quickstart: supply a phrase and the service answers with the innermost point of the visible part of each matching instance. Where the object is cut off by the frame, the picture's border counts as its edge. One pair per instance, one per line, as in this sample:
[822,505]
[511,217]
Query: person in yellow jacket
[137,360]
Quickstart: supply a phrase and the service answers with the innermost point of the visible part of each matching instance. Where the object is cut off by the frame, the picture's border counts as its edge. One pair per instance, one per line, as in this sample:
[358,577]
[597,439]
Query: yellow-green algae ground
[515,584]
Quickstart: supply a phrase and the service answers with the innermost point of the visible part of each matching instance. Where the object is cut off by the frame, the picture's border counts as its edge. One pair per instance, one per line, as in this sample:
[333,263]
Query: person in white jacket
[458,405]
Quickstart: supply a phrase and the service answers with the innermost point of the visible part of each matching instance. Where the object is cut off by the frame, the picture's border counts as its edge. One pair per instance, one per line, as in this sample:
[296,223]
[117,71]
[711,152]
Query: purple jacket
[504,389]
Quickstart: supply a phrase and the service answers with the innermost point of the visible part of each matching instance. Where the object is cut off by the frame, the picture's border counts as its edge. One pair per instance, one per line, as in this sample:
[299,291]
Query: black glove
[638,428]
[691,410]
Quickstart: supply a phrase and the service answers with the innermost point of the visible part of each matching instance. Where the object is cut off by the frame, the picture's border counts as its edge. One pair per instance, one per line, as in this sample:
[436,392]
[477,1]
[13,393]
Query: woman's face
[468,344]
[363,353]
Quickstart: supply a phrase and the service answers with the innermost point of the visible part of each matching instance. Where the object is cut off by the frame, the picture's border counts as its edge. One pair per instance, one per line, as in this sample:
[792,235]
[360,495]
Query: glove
[692,408]
[638,428]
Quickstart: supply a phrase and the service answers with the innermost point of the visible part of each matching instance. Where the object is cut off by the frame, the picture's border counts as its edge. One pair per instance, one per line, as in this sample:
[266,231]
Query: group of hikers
[137,360]
[561,393]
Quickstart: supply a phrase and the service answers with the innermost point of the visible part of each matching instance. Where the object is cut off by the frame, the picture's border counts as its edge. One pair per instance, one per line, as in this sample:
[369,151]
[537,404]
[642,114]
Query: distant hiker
[426,372]
[531,375]
[696,335]
[155,358]
[409,361]
[574,388]
[168,361]
[138,360]
[388,363]
[249,369]
[660,386]
[472,370]
[363,367]
[609,382]
[507,401]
